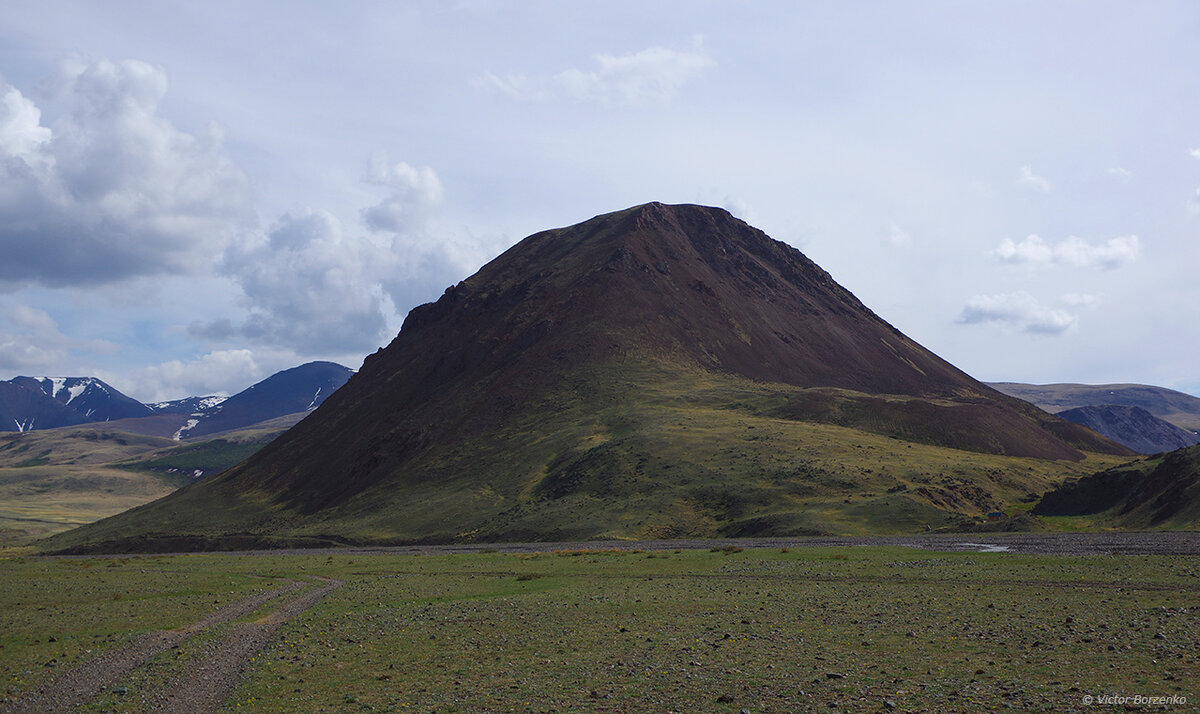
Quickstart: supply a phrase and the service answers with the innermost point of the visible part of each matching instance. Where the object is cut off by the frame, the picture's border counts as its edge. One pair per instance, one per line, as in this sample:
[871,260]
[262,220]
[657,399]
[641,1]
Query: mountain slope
[187,405]
[661,370]
[89,396]
[1182,410]
[1160,492]
[1132,426]
[23,409]
[28,403]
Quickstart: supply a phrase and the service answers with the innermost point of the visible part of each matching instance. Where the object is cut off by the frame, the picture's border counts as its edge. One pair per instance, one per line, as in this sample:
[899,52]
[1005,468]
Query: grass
[60,613]
[38,501]
[55,480]
[621,631]
[208,457]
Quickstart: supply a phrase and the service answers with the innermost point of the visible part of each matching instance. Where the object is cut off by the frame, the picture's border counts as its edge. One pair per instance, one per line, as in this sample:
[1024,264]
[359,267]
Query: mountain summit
[657,371]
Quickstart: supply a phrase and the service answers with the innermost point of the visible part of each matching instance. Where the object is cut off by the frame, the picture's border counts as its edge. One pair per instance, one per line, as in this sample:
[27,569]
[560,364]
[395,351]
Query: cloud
[218,372]
[1195,153]
[1029,179]
[1120,172]
[22,135]
[307,286]
[30,341]
[111,190]
[1081,299]
[1020,310]
[898,237]
[312,286]
[652,75]
[1194,202]
[1073,251]
[414,192]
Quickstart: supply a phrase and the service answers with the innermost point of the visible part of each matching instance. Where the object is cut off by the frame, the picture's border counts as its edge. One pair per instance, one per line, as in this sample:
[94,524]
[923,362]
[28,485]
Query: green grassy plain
[36,501]
[764,630]
[55,480]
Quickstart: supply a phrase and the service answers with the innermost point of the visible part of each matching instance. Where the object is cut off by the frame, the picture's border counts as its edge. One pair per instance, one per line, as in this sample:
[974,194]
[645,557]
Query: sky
[194,195]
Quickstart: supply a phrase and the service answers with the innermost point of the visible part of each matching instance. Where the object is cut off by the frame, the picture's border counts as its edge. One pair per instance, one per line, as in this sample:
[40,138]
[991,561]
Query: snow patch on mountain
[191,424]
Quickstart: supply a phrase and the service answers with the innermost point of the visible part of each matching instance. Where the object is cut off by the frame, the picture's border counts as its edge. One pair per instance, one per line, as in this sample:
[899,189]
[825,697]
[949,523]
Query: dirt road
[207,683]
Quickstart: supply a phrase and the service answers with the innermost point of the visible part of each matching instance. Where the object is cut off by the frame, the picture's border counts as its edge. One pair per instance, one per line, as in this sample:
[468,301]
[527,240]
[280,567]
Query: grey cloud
[111,190]
[307,286]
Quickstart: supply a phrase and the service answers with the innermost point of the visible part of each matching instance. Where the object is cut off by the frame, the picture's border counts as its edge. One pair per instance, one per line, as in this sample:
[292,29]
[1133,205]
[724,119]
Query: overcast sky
[194,195]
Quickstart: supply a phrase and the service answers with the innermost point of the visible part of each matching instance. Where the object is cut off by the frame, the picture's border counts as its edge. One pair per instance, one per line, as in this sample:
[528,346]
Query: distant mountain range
[1145,418]
[35,403]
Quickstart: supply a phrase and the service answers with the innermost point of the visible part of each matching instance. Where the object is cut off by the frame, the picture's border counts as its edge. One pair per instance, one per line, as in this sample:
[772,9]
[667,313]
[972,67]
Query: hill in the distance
[29,403]
[1163,491]
[1178,408]
[295,390]
[663,371]
[1132,426]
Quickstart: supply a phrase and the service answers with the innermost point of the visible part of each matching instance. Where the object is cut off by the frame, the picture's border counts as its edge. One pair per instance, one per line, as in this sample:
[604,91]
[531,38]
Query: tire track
[211,679]
[76,687]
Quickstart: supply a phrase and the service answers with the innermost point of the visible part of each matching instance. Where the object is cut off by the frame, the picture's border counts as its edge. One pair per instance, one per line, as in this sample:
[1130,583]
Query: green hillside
[688,454]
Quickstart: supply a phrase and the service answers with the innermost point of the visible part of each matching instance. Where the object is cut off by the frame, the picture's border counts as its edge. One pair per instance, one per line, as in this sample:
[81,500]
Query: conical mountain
[658,371]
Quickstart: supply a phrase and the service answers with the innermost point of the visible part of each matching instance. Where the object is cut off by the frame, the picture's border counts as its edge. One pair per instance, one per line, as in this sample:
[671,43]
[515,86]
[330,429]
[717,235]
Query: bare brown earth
[204,688]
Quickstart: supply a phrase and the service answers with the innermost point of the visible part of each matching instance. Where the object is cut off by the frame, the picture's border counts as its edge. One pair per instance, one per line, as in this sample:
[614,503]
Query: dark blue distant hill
[28,403]
[1132,426]
[293,390]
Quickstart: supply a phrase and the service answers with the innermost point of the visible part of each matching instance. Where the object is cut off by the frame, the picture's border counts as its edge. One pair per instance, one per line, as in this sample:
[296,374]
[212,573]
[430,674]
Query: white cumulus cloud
[414,192]
[652,75]
[218,372]
[1073,251]
[1019,310]
[111,190]
[31,341]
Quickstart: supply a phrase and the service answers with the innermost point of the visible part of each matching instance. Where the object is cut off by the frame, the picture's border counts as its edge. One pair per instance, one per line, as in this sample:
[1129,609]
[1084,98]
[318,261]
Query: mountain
[22,409]
[46,402]
[298,389]
[662,371]
[1132,426]
[1182,410]
[187,405]
[1159,492]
